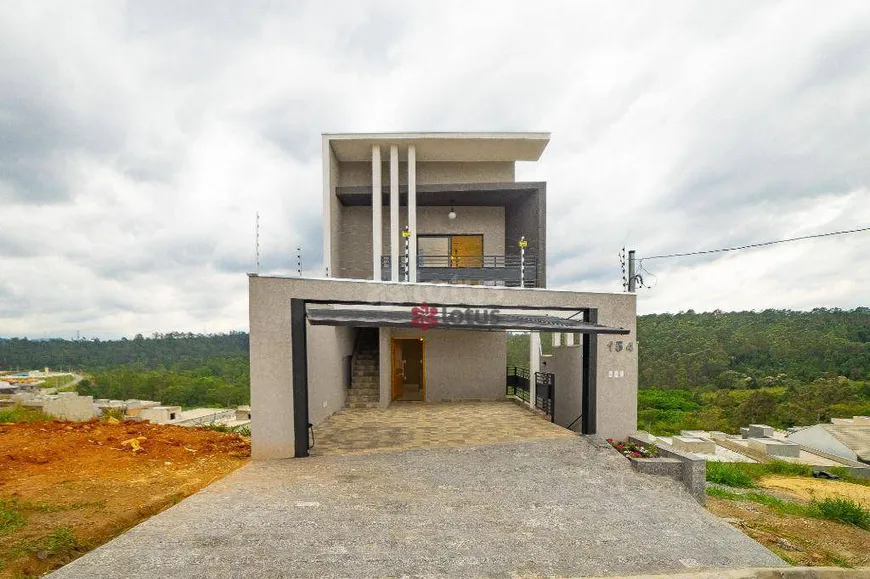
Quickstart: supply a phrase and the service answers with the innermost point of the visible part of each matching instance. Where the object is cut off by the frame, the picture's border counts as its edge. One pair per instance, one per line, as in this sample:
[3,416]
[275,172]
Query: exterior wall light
[452,214]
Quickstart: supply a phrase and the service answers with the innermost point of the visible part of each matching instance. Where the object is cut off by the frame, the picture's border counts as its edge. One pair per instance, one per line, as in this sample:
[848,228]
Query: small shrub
[843,511]
[116,413]
[729,473]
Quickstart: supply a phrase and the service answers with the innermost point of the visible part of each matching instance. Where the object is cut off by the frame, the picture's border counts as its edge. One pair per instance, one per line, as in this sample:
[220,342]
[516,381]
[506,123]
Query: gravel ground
[564,507]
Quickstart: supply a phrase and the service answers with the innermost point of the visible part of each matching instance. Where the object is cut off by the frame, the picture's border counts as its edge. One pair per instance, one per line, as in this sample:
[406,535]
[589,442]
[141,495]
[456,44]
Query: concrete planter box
[671,467]
[685,467]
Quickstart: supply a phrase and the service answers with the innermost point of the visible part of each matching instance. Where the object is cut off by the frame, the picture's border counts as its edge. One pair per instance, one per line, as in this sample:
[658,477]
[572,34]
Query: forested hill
[752,349]
[686,350]
[174,350]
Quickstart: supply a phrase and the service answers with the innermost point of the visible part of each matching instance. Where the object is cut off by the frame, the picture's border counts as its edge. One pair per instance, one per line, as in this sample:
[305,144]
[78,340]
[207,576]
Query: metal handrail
[463,261]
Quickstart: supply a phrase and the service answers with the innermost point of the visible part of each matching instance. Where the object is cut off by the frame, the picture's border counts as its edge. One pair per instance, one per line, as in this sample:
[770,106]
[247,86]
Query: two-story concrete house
[433,252]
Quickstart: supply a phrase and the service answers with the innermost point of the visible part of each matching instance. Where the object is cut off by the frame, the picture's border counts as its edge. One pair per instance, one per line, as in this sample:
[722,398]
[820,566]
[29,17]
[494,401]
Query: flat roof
[474,319]
[442,147]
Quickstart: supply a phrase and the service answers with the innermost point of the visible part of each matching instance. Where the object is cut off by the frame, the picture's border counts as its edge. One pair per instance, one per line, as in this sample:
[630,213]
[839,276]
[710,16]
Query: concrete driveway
[557,507]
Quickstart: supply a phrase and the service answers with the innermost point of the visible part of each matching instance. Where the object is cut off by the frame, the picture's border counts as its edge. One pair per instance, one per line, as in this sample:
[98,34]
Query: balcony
[490,270]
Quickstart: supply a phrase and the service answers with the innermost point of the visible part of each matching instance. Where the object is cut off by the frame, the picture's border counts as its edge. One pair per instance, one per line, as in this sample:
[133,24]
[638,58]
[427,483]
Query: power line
[761,244]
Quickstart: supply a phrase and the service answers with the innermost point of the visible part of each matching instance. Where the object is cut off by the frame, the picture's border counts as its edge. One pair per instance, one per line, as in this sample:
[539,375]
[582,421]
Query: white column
[557,339]
[412,213]
[377,218]
[394,213]
[534,364]
[569,339]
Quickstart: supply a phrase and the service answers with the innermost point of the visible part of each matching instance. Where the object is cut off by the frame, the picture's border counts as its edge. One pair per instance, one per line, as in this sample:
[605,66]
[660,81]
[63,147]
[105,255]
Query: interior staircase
[364,389]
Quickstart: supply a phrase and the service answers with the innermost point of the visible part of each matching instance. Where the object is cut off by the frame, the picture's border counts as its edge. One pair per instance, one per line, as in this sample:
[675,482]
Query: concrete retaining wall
[693,468]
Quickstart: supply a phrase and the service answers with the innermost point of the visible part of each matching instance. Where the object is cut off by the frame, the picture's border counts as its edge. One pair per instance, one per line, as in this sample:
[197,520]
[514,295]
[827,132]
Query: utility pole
[257,242]
[632,278]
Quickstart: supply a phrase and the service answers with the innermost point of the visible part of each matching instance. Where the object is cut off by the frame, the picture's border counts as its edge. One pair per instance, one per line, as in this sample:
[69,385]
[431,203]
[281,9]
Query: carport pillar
[299,354]
[589,406]
[534,364]
[377,219]
[412,214]
[394,213]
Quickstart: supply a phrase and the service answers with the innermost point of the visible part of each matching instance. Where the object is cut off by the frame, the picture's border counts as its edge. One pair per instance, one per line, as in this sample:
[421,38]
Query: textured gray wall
[327,347]
[528,218]
[461,364]
[567,365]
[355,237]
[271,352]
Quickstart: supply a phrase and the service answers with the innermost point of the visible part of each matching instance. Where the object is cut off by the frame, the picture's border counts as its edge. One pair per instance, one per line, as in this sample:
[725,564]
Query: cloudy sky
[138,139]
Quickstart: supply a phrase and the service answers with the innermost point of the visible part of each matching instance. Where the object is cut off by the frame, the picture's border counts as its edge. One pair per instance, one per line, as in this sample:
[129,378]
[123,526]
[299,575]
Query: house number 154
[619,346]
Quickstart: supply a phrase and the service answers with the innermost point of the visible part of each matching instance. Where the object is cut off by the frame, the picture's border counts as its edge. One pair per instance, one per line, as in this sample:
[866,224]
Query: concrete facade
[443,170]
[471,367]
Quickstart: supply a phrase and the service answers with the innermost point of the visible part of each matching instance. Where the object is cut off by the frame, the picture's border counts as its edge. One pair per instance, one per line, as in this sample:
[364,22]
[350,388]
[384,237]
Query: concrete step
[363,404]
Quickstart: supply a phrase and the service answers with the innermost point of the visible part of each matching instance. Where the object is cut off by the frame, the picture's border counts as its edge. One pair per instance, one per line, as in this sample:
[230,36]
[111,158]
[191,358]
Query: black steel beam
[588,424]
[299,347]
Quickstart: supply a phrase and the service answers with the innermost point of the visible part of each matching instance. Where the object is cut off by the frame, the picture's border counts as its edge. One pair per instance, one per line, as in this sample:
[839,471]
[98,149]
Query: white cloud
[140,139]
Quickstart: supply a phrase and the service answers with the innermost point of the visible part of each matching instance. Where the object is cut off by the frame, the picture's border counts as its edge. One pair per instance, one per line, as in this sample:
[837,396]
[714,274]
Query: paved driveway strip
[562,507]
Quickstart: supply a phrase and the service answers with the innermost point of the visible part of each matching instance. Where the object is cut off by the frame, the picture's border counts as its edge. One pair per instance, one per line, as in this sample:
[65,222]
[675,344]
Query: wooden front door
[466,251]
[398,370]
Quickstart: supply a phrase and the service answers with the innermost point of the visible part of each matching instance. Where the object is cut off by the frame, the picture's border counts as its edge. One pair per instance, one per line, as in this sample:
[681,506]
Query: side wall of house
[327,348]
[566,364]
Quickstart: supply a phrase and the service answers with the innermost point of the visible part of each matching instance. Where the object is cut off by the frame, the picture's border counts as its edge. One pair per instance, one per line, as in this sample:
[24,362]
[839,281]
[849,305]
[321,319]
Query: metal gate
[545,394]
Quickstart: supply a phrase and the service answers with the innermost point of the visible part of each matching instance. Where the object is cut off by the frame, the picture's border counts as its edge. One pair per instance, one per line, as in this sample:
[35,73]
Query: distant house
[847,438]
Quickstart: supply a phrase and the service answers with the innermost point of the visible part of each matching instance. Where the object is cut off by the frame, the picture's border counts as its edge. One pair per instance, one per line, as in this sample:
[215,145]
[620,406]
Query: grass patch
[847,476]
[19,414]
[243,430]
[10,517]
[730,474]
[60,542]
[781,467]
[843,511]
[56,381]
[745,475]
[840,510]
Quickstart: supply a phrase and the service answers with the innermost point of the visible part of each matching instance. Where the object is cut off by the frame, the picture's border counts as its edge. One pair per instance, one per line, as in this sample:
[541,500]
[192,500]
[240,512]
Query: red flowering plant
[632,450]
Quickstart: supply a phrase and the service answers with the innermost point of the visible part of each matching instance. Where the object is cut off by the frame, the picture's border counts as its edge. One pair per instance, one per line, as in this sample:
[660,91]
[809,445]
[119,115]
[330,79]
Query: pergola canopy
[454,317]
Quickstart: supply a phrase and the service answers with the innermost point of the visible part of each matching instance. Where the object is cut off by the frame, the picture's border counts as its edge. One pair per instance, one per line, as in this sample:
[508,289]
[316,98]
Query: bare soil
[77,485]
[799,541]
[811,488]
